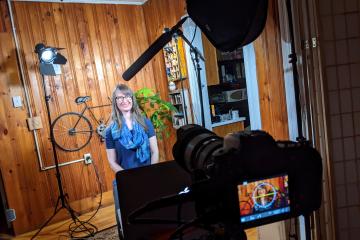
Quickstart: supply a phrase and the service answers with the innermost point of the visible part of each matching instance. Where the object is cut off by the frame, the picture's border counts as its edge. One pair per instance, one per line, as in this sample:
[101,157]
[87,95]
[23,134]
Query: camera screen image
[264,198]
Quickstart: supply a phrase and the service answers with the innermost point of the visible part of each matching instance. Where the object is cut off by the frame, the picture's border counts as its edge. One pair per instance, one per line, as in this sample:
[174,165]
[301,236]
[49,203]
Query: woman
[130,138]
[263,198]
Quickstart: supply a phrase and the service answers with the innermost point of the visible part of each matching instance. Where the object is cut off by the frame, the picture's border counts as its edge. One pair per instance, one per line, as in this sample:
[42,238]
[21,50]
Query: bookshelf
[182,105]
[175,60]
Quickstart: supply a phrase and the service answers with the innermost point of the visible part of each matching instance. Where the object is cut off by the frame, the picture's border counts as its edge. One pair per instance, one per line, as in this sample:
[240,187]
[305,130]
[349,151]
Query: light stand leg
[307,226]
[47,222]
[198,69]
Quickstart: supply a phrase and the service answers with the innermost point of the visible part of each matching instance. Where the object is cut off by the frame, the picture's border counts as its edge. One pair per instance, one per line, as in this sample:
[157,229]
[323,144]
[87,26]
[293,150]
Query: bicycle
[72,131]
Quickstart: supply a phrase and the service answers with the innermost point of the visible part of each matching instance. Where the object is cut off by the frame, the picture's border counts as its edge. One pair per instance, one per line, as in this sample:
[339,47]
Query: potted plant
[156,109]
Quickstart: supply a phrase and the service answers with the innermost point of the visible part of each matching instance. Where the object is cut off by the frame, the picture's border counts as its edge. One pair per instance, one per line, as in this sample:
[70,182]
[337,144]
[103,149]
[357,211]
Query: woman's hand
[154,150]
[111,156]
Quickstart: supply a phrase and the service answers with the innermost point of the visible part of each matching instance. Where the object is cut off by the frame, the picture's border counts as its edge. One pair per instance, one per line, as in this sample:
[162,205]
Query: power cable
[78,227]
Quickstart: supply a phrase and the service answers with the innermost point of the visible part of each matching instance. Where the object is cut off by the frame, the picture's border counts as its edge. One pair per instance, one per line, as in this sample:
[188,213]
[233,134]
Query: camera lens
[195,146]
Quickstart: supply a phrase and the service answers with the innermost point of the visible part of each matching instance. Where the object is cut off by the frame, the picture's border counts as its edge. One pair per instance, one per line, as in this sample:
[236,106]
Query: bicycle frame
[92,113]
[68,124]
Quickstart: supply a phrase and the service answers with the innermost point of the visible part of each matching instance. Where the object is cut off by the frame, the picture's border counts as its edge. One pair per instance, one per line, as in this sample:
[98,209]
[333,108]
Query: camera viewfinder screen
[263,198]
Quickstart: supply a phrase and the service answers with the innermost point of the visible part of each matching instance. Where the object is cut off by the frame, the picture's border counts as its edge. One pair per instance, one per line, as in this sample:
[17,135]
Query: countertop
[240,119]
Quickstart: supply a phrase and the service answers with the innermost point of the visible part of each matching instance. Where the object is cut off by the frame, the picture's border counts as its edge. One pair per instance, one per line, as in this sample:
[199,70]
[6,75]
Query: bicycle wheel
[71,131]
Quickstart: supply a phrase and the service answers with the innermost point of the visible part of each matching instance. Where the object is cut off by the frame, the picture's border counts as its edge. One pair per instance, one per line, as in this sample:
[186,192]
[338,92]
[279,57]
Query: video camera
[248,179]
[244,180]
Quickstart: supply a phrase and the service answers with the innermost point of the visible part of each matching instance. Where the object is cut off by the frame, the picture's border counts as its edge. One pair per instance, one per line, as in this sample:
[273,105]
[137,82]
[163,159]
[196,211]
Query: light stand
[47,69]
[300,138]
[62,197]
[198,68]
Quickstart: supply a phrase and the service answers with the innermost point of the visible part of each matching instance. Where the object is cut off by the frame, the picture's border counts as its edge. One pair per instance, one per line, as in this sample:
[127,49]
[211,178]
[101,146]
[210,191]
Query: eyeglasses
[122,98]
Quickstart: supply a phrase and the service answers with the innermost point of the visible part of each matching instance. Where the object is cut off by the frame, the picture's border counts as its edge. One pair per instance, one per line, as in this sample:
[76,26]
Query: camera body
[226,171]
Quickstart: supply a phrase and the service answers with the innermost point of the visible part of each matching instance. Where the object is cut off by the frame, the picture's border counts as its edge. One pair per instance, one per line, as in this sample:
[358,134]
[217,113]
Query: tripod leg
[72,212]
[56,205]
[46,223]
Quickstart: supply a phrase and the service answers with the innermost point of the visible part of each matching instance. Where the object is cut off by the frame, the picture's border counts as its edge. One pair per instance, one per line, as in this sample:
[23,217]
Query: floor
[103,219]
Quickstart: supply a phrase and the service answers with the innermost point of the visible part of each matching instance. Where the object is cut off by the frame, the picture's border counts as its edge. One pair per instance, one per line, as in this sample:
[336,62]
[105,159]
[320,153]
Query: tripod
[62,197]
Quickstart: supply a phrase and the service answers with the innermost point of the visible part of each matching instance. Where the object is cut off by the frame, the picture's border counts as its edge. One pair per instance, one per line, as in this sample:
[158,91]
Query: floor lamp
[49,65]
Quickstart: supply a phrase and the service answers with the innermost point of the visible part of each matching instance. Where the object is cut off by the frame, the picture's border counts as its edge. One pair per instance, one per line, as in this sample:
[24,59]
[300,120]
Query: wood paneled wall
[26,189]
[270,76]
[100,42]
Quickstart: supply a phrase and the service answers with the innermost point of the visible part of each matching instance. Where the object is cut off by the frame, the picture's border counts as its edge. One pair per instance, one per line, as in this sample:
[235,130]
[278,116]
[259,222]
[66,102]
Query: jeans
[117,210]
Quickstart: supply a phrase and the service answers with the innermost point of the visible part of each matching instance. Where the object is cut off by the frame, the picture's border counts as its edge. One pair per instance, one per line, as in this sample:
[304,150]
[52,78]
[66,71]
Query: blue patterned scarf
[135,139]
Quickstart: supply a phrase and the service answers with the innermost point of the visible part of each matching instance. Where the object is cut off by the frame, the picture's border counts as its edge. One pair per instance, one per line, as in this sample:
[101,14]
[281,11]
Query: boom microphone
[154,48]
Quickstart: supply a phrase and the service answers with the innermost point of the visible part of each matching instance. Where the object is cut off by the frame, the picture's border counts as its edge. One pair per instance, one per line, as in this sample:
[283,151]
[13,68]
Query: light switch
[17,101]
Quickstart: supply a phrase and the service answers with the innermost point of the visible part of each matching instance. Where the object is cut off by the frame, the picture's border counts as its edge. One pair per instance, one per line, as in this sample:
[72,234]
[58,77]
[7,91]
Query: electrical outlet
[10,215]
[87,158]
[17,101]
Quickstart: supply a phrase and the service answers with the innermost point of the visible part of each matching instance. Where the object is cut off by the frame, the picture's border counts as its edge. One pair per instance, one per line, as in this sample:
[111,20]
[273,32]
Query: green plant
[156,109]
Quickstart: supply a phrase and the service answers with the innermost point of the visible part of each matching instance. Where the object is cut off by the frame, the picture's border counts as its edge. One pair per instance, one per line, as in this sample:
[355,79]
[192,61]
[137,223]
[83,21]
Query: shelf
[231,60]
[179,98]
[179,79]
[228,122]
[174,58]
[179,115]
[233,84]
[175,92]
[233,102]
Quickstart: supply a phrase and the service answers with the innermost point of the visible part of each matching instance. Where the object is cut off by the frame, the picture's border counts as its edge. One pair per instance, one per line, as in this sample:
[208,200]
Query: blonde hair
[136,114]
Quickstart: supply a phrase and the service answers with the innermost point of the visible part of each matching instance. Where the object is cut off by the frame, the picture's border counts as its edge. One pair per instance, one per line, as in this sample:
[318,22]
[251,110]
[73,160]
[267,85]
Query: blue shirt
[126,158]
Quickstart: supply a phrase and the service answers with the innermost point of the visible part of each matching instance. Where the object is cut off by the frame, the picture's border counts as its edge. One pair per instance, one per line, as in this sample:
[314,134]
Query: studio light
[49,64]
[48,55]
[50,59]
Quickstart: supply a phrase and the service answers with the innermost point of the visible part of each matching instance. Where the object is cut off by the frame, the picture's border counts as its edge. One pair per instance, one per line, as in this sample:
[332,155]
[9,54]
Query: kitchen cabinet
[226,83]
[228,128]
[212,73]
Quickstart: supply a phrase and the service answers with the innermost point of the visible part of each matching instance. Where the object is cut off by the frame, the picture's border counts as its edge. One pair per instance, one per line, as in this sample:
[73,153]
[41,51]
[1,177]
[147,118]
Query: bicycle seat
[82,99]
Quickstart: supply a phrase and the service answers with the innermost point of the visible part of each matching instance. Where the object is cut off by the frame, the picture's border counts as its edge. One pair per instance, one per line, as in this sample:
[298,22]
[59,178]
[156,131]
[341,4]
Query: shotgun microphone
[154,48]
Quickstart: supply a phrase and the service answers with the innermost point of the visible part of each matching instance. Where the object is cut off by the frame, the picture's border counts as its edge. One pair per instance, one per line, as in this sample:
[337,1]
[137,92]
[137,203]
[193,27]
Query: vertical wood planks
[270,77]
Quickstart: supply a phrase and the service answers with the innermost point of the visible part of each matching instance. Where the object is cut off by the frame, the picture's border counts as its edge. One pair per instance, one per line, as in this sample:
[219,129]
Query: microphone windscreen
[154,48]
